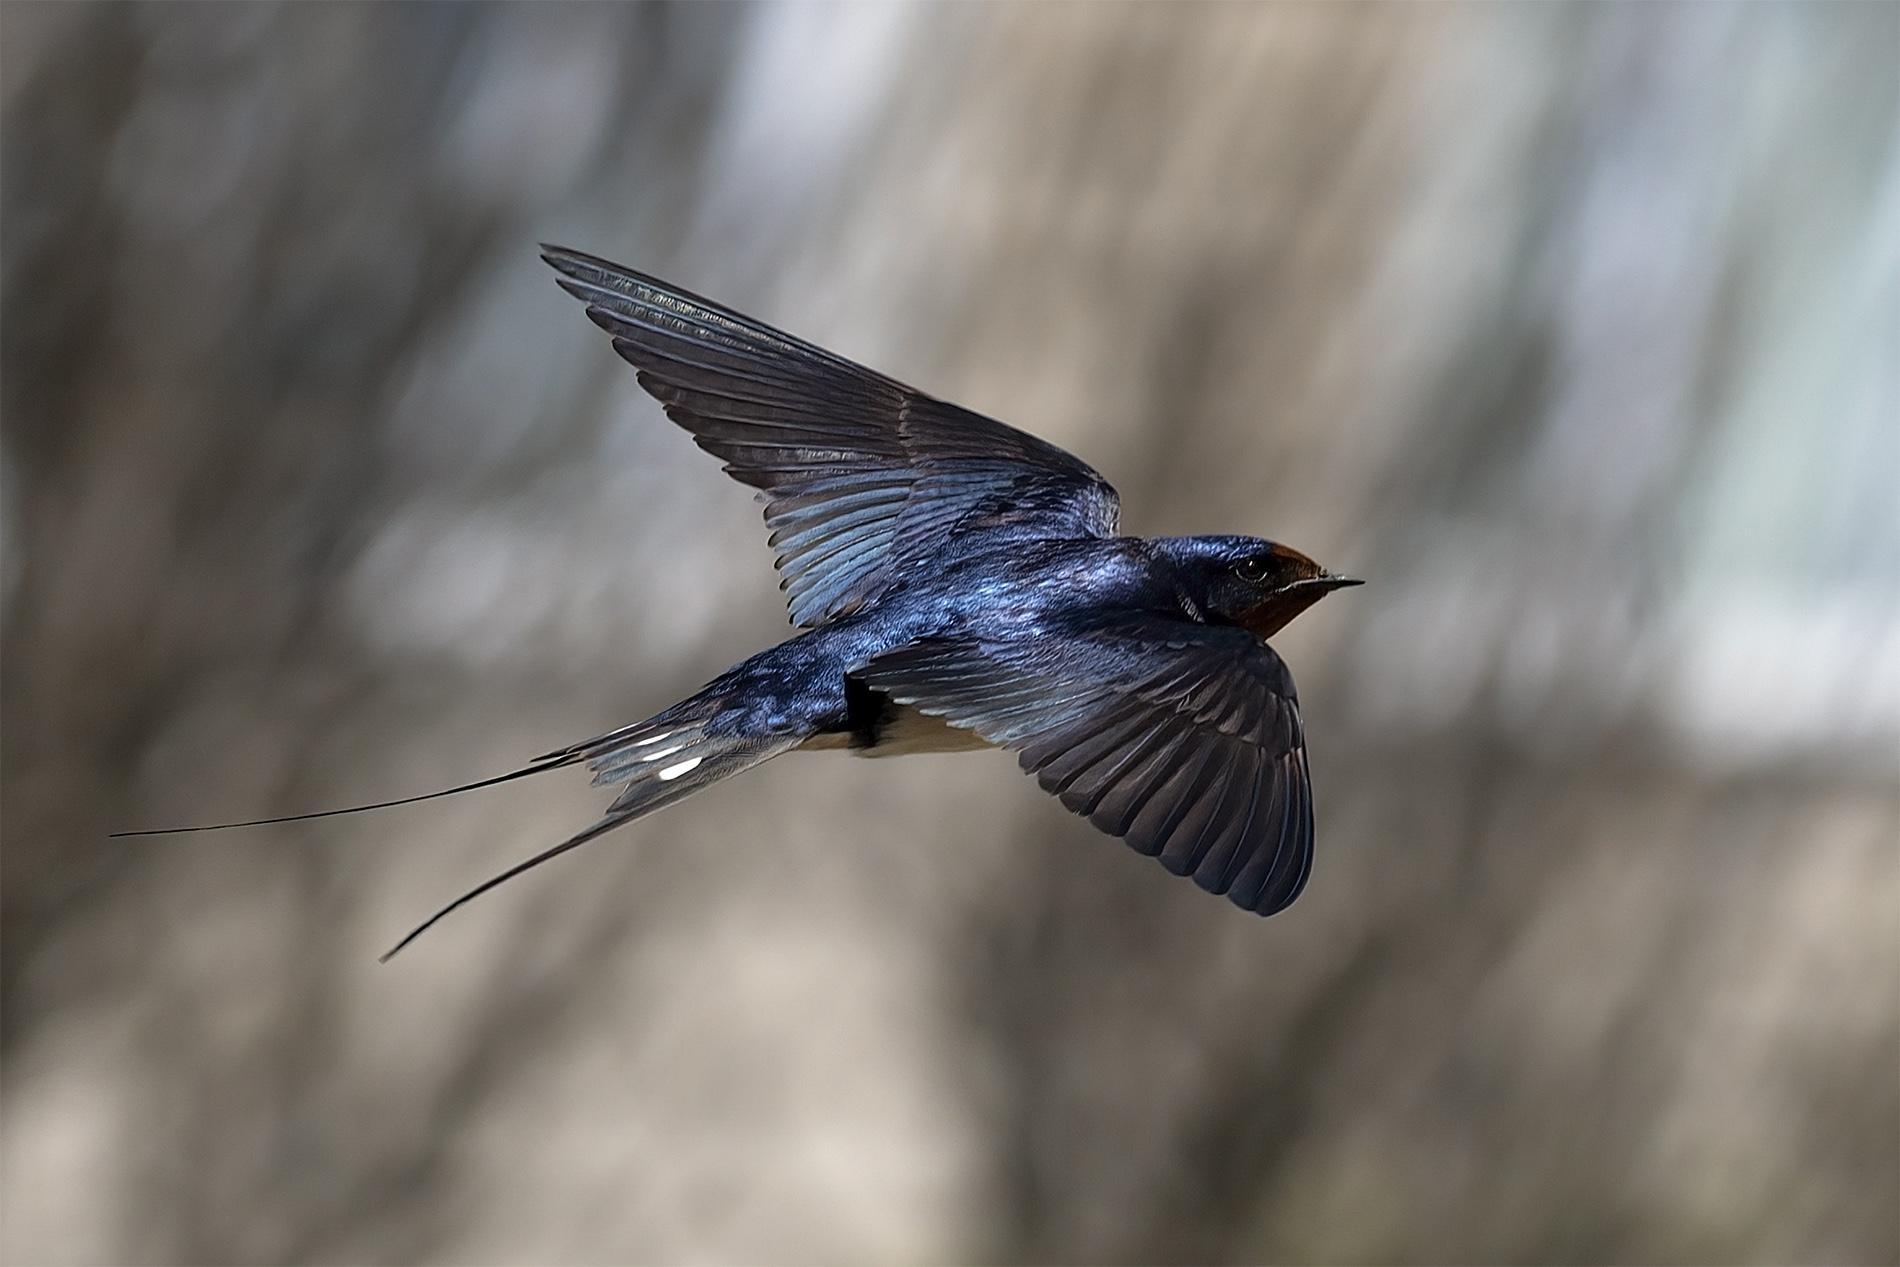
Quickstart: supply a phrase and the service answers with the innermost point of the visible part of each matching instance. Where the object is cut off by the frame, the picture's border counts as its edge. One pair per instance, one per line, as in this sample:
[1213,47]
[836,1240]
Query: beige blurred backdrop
[1572,329]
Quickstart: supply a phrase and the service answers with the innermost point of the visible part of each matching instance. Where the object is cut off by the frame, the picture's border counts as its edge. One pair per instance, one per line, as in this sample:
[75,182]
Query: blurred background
[1571,328]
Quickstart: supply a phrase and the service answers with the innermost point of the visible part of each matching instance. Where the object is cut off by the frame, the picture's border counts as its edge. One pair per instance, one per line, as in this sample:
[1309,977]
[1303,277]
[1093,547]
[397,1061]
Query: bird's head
[1258,585]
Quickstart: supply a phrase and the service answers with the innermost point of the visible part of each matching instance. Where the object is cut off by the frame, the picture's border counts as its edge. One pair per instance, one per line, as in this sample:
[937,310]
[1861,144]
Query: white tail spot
[664,752]
[650,739]
[674,771]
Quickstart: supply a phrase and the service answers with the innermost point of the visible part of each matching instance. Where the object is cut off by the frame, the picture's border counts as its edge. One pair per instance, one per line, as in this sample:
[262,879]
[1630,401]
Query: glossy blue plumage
[946,566]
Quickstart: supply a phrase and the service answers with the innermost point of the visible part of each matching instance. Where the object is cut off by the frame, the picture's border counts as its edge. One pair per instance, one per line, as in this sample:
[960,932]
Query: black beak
[1325,583]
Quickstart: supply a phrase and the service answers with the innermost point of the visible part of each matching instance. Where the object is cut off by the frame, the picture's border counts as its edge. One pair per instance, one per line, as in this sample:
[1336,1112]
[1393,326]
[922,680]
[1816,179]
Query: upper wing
[861,475]
[1184,739]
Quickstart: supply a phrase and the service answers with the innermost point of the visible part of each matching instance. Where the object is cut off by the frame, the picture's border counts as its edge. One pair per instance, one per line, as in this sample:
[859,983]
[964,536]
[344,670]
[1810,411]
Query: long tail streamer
[553,761]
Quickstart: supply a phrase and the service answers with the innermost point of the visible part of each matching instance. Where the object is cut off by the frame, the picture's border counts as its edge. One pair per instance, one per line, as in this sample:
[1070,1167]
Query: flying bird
[959,584]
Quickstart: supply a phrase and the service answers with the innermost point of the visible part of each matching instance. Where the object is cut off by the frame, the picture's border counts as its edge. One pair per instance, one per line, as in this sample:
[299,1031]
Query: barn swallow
[960,584]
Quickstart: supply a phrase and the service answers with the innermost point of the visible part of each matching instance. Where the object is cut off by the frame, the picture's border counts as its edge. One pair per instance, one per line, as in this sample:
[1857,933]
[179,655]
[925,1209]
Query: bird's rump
[672,754]
[1184,740]
[861,475]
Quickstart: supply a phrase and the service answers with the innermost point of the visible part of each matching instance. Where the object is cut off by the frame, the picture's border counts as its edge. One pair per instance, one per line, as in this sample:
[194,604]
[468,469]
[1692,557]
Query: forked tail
[664,759]
[661,760]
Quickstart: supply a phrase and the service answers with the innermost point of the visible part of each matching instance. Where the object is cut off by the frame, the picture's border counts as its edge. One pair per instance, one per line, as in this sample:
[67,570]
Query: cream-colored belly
[903,730]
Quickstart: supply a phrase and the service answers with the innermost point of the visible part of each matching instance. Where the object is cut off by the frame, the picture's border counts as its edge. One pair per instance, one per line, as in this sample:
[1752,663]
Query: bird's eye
[1252,571]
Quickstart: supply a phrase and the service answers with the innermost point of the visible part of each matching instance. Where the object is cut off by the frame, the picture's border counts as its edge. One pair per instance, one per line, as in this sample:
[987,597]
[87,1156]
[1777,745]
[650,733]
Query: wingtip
[571,263]
[586,276]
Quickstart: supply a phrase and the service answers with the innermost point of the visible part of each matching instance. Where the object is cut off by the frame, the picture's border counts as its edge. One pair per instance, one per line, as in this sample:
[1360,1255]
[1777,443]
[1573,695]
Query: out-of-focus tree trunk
[1570,328]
